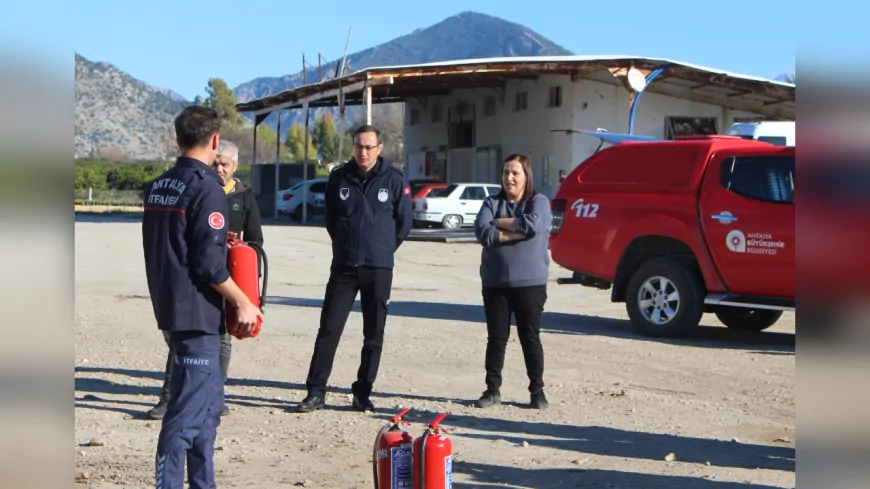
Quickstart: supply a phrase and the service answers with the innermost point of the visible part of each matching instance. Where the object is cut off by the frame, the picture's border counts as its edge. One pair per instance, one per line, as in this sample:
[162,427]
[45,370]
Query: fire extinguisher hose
[375,454]
[262,253]
[422,459]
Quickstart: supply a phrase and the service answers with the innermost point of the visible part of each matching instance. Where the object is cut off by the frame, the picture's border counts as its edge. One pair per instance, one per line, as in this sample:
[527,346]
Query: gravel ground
[716,411]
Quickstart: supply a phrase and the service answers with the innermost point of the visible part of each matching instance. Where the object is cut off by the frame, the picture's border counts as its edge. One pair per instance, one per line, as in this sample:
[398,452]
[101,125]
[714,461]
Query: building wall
[585,104]
[601,105]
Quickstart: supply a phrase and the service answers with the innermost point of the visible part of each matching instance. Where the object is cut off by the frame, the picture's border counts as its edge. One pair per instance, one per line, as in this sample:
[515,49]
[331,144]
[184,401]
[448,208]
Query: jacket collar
[239,186]
[199,166]
[380,166]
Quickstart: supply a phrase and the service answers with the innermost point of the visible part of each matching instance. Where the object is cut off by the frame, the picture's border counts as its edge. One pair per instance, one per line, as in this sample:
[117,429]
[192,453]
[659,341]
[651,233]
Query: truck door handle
[724,218]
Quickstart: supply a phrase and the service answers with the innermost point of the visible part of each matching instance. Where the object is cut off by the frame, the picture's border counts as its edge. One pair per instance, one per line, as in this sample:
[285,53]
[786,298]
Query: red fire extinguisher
[433,458]
[392,455]
[243,262]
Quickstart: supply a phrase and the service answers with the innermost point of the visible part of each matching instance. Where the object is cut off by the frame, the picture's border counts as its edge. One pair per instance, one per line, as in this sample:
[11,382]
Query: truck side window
[764,178]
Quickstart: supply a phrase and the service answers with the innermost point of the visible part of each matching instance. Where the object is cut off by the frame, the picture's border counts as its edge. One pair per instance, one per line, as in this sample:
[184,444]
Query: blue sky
[179,45]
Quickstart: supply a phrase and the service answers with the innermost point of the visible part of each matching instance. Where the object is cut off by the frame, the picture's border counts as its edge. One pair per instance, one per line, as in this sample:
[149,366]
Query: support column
[305,169]
[340,124]
[277,164]
[368,104]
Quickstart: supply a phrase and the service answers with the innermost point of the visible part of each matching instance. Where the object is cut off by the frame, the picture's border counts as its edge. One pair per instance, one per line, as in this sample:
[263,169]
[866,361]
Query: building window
[436,113]
[460,135]
[689,126]
[489,106]
[555,97]
[415,117]
[521,102]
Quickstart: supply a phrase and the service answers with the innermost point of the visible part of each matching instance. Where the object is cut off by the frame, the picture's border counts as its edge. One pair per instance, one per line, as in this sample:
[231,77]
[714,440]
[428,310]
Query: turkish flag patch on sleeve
[216,220]
[407,191]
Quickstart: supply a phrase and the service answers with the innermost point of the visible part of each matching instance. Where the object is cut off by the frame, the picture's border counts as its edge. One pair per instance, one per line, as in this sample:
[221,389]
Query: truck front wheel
[665,298]
[742,319]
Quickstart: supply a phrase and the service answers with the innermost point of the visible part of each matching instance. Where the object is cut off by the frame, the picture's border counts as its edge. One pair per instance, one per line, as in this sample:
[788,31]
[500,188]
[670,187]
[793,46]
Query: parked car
[421,190]
[454,206]
[681,228]
[289,201]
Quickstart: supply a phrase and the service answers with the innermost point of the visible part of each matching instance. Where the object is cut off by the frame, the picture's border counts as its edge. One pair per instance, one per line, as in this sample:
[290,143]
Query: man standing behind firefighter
[368,216]
[244,220]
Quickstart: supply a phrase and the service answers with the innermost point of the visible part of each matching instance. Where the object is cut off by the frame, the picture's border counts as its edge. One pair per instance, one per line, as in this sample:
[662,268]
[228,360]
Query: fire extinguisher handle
[262,253]
[435,422]
[398,417]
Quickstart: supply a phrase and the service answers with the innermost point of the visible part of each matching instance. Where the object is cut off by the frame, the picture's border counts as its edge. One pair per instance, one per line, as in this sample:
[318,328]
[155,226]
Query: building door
[416,165]
[541,168]
[461,165]
[487,165]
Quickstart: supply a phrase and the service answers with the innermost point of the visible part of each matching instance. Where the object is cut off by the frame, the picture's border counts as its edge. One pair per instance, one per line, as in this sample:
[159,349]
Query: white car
[289,201]
[777,133]
[455,206]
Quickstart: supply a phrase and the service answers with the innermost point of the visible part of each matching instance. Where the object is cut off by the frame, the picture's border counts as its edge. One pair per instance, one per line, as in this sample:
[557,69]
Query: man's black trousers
[527,305]
[373,285]
[192,415]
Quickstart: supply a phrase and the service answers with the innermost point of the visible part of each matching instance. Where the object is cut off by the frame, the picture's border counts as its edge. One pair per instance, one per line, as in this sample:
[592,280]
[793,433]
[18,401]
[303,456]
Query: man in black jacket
[244,212]
[368,216]
[244,219]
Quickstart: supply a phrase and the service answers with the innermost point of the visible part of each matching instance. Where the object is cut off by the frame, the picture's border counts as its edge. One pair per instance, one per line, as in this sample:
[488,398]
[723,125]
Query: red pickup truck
[680,228]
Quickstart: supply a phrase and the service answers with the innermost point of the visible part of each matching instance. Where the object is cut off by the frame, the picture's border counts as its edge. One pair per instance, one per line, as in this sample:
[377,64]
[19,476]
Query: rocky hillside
[463,36]
[120,117]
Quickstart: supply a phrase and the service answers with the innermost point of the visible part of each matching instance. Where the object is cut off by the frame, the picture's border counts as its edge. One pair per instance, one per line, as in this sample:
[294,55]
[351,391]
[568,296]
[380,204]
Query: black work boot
[539,401]
[489,399]
[361,404]
[312,402]
[157,411]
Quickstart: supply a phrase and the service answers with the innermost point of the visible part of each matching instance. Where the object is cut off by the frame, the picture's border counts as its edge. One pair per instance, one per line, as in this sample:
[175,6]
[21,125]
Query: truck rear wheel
[743,319]
[665,298]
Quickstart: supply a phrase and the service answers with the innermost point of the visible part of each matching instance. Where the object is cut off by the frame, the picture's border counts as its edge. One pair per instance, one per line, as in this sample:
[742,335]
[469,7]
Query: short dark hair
[195,125]
[368,128]
[529,189]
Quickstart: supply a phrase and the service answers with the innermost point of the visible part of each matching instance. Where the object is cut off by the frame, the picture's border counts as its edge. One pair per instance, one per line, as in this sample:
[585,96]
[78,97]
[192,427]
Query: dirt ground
[721,403]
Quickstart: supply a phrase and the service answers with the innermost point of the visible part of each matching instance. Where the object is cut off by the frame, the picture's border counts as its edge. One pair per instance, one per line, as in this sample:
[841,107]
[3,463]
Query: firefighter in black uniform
[368,216]
[244,220]
[184,236]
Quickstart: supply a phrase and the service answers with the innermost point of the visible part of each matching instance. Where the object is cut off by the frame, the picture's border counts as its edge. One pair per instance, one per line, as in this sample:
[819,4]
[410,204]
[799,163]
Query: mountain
[463,36]
[121,117]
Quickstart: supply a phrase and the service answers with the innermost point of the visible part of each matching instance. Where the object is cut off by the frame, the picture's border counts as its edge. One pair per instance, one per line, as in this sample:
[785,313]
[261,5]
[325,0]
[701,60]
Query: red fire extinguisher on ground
[392,455]
[243,262]
[433,458]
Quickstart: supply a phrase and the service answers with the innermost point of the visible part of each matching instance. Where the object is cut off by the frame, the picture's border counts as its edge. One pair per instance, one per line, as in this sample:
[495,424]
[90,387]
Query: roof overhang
[399,83]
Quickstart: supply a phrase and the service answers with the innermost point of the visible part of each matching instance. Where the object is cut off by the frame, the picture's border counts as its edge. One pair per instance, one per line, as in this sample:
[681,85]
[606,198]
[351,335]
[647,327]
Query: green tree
[90,174]
[295,142]
[347,146]
[326,137]
[222,99]
[266,136]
